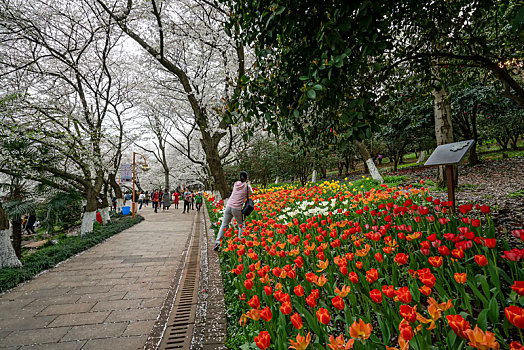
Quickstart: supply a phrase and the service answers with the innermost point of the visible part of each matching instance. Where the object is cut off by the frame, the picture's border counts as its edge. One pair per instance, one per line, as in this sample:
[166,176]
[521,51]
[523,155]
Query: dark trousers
[186,206]
[155,206]
[199,205]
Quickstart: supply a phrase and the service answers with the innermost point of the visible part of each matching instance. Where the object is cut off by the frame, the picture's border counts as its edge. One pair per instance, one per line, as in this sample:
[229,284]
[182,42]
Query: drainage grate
[181,321]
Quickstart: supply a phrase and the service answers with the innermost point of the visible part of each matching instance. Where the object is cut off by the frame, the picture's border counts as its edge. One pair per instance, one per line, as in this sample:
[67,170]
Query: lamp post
[145,167]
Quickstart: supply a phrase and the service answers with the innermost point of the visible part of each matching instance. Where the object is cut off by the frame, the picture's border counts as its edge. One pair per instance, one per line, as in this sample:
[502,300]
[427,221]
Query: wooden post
[133,189]
[451,186]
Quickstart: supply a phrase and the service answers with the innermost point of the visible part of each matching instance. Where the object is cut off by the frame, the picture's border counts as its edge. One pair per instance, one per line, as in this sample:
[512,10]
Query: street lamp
[144,167]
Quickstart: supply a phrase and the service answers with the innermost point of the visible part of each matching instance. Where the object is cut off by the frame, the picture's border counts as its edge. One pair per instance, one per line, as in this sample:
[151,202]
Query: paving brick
[16,324]
[133,315]
[79,319]
[127,343]
[146,294]
[70,345]
[95,331]
[61,309]
[34,336]
[139,328]
[117,305]
[156,302]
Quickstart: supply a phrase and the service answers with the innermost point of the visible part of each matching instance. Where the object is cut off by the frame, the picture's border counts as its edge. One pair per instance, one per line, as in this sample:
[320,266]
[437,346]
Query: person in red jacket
[156,199]
[176,195]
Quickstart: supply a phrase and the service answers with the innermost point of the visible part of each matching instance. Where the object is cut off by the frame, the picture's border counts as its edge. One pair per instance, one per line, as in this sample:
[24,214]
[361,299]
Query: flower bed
[343,266]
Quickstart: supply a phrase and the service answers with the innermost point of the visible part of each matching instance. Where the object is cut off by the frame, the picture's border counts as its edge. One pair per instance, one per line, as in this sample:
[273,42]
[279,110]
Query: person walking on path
[141,199]
[234,207]
[187,199]
[192,200]
[147,197]
[198,200]
[30,224]
[167,200]
[176,196]
[155,198]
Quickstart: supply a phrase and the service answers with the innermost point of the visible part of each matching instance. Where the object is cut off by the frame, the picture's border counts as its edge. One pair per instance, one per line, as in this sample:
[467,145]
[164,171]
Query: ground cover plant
[358,265]
[50,255]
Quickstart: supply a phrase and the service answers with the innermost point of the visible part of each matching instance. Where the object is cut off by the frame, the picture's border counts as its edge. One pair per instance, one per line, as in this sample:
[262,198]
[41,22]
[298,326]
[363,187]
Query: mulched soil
[491,182]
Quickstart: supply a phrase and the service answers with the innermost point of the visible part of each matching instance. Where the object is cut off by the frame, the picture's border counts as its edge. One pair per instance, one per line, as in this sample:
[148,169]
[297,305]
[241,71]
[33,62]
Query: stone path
[108,297]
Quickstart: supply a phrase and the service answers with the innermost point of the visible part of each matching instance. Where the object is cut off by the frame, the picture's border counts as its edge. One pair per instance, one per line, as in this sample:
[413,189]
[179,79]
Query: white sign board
[126,173]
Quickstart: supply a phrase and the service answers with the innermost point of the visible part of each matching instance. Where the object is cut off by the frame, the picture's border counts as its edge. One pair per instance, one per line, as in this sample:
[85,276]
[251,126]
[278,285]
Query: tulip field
[341,265]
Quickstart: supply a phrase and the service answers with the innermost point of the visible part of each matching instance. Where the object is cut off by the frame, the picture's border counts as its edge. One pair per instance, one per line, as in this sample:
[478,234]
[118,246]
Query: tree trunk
[215,164]
[90,212]
[118,192]
[443,126]
[104,208]
[17,237]
[375,174]
[8,256]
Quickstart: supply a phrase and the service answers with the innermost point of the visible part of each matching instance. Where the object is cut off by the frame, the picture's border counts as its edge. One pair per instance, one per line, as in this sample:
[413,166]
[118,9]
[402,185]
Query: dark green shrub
[63,210]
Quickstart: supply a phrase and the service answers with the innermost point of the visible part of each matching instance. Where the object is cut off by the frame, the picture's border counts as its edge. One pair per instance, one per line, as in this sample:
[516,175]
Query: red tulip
[296,320]
[518,287]
[376,295]
[266,314]
[254,302]
[515,316]
[263,340]
[372,275]
[388,291]
[401,259]
[436,261]
[404,295]
[459,325]
[481,260]
[323,316]
[408,313]
[338,303]
[353,277]
[299,291]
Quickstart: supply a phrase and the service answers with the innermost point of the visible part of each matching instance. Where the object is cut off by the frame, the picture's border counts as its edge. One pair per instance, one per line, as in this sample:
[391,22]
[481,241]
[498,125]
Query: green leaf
[311,94]
[280,10]
[493,310]
[304,77]
[482,320]
[450,339]
[317,87]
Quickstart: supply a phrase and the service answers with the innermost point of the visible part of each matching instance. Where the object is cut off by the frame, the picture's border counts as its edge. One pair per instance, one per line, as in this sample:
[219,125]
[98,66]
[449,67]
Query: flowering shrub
[340,266]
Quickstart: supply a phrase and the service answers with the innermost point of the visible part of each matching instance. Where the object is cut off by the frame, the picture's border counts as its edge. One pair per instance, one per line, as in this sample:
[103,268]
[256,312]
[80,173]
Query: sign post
[449,155]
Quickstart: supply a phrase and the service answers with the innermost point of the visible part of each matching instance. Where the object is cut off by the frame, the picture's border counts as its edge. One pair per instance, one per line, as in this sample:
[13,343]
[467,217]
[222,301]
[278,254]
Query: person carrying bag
[234,208]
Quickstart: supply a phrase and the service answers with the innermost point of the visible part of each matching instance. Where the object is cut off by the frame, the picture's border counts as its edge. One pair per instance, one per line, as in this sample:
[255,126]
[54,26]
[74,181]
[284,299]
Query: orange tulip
[322,265]
[253,314]
[480,340]
[321,281]
[460,278]
[343,292]
[372,275]
[338,343]
[360,330]
[301,342]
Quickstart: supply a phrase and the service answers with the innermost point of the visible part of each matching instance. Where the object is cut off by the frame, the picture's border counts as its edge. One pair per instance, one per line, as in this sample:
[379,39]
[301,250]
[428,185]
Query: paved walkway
[108,297]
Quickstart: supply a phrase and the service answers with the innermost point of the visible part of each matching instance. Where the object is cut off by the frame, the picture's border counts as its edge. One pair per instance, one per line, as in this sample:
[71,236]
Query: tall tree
[190,46]
[64,62]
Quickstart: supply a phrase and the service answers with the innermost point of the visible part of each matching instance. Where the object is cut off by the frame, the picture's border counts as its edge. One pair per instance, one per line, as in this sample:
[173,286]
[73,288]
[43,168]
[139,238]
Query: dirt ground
[493,182]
